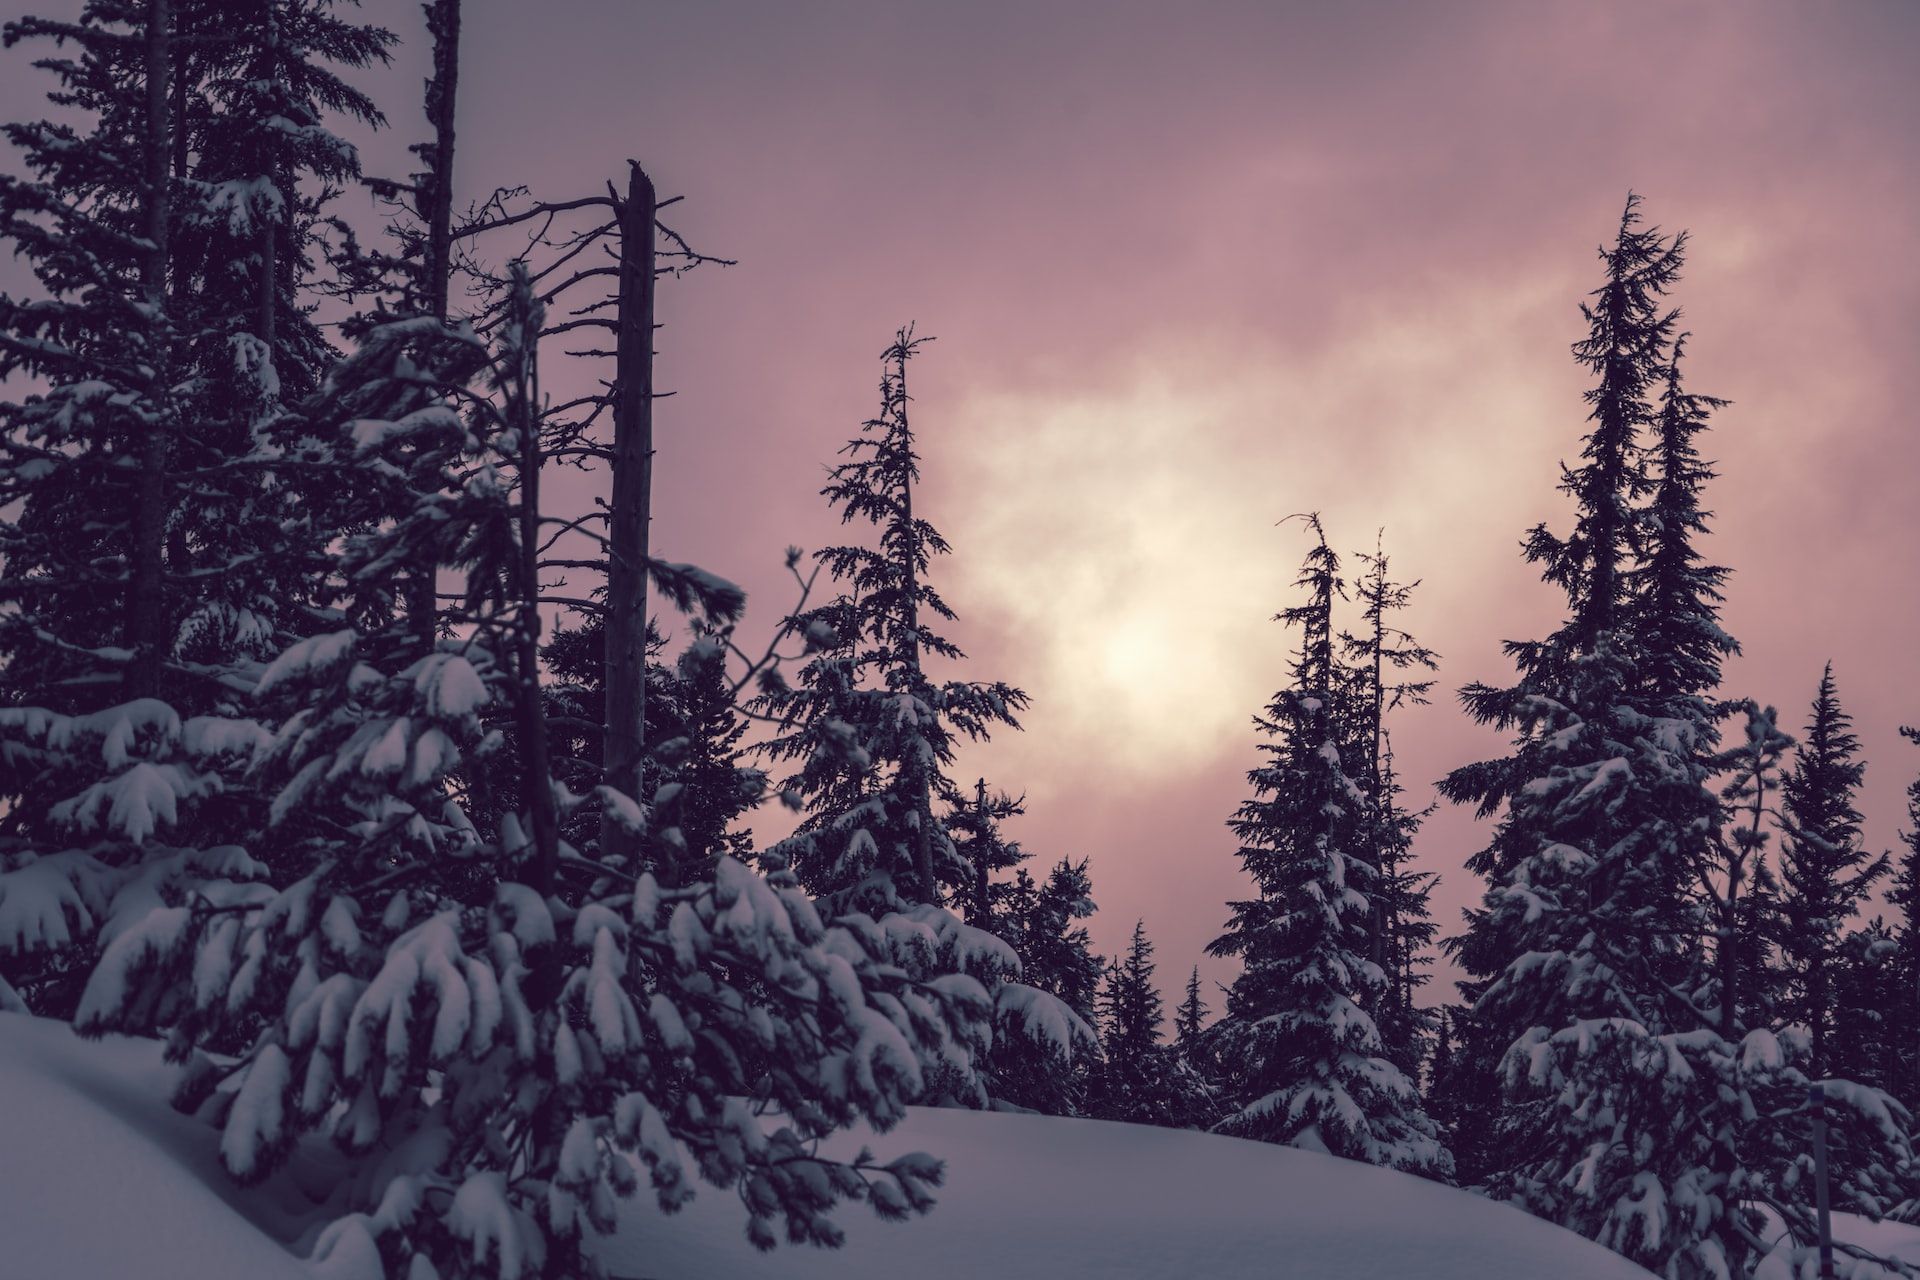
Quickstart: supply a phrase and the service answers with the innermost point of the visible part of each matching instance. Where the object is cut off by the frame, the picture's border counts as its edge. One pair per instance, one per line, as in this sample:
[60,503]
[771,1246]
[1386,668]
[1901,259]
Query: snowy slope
[99,1178]
[1035,1196]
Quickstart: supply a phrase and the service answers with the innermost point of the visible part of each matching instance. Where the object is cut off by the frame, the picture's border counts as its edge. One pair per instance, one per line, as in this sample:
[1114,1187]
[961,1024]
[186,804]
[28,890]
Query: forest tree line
[336,758]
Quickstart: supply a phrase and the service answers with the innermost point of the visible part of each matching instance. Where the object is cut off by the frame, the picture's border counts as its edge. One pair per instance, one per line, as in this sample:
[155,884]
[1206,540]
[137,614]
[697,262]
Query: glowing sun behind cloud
[1122,540]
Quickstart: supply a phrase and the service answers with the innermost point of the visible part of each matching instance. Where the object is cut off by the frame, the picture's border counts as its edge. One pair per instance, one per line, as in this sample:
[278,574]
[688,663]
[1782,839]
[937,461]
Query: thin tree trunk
[1728,955]
[443,23]
[629,515]
[145,619]
[270,225]
[1729,950]
[982,914]
[530,716]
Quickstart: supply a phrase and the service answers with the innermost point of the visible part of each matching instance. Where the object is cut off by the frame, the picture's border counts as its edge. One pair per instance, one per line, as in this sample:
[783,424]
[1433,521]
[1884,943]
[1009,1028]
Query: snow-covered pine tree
[1302,1061]
[872,733]
[1904,896]
[1046,1041]
[491,1028]
[1825,872]
[1586,939]
[694,770]
[162,537]
[869,695]
[1628,334]
[1407,927]
[1631,1119]
[1674,617]
[1388,669]
[1041,921]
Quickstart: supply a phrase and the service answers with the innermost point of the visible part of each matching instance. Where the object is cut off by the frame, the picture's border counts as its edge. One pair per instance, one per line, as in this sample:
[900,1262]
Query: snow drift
[101,1178]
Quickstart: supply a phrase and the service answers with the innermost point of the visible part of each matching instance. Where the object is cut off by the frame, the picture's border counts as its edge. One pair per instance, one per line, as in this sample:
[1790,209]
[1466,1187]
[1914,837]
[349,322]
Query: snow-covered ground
[100,1178]
[1072,1199]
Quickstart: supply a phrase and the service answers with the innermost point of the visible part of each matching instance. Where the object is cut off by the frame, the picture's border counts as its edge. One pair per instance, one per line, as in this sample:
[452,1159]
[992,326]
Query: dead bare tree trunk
[270,225]
[443,24]
[982,896]
[145,608]
[627,533]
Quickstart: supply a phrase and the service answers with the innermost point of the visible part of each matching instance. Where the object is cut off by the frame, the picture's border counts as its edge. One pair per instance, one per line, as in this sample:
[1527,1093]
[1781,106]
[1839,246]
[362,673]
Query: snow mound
[1050,1199]
[1895,1240]
[100,1177]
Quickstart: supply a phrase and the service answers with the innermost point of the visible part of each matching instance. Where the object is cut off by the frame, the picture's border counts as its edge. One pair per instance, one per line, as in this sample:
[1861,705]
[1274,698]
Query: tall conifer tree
[1387,669]
[1632,1119]
[872,733]
[1302,1059]
[868,693]
[1904,895]
[164,535]
[1825,871]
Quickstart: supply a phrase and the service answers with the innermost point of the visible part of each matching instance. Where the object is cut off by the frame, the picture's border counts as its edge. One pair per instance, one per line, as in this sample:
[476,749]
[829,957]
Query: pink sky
[1194,268]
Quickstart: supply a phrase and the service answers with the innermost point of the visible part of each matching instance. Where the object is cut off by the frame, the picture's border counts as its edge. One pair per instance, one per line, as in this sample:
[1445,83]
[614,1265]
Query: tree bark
[624,750]
[443,22]
[443,19]
[145,606]
[530,717]
[270,225]
[982,900]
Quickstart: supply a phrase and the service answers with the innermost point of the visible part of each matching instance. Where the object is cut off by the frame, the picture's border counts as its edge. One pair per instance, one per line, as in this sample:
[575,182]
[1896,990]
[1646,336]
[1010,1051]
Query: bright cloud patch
[1122,543]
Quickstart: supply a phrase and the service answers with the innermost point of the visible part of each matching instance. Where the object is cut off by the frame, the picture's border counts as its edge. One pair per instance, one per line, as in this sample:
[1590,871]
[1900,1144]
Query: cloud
[1119,541]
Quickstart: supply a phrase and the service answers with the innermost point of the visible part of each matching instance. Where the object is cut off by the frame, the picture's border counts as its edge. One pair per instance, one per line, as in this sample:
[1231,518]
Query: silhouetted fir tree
[1866,990]
[1129,1083]
[1055,949]
[974,827]
[1193,1048]
[1742,894]
[1407,926]
[1301,1060]
[1034,1066]
[1590,985]
[867,697]
[162,537]
[1190,1019]
[1138,1079]
[1384,666]
[1676,597]
[1457,1099]
[1825,873]
[1440,1087]
[695,779]
[1903,895]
